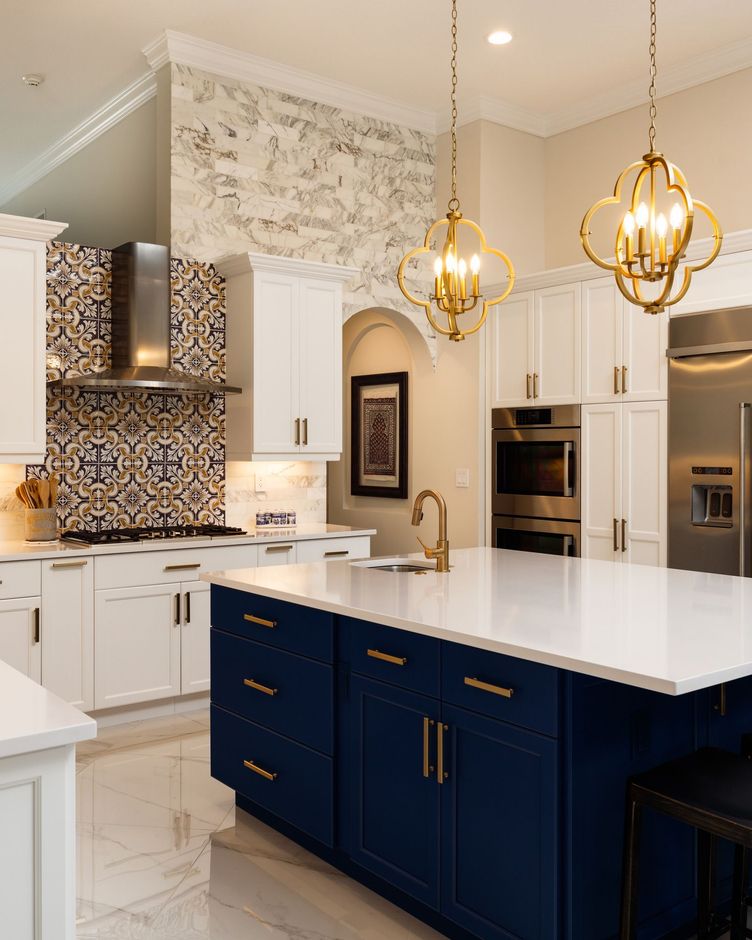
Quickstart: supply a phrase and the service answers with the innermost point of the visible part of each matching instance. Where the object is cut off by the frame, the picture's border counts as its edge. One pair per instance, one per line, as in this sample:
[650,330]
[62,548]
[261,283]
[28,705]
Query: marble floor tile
[162,856]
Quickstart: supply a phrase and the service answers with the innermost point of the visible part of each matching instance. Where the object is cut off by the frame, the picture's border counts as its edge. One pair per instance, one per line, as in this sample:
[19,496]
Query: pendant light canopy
[645,253]
[453,297]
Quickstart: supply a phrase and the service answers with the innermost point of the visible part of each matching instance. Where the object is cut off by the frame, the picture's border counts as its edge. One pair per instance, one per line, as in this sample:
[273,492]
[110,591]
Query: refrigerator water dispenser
[712,505]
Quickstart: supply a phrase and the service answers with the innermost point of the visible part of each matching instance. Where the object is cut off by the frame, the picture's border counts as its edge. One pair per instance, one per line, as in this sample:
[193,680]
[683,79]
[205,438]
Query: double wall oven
[536,479]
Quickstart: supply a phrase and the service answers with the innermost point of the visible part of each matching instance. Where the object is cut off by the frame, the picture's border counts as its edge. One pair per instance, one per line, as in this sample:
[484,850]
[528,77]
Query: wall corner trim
[19,226]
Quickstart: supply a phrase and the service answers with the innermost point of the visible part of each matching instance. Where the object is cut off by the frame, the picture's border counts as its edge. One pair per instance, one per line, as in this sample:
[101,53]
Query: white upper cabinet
[623,348]
[23,269]
[536,348]
[284,348]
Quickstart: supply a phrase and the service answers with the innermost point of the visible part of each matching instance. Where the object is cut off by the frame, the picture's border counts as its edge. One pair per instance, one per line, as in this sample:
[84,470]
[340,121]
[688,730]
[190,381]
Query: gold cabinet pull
[535,384]
[335,554]
[274,549]
[177,610]
[616,535]
[387,657]
[305,432]
[624,380]
[488,687]
[427,768]
[441,774]
[720,706]
[267,690]
[297,431]
[624,535]
[266,774]
[529,378]
[187,607]
[260,621]
[183,567]
[616,380]
[68,564]
[37,625]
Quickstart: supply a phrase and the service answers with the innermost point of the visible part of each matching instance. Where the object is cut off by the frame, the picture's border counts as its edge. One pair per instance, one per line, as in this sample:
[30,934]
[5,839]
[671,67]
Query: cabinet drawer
[169,566]
[274,688]
[290,780]
[333,549]
[397,656]
[277,553]
[533,698]
[275,623]
[20,579]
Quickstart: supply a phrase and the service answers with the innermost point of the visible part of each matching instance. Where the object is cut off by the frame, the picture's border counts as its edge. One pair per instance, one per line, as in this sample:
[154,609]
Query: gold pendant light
[652,257]
[451,297]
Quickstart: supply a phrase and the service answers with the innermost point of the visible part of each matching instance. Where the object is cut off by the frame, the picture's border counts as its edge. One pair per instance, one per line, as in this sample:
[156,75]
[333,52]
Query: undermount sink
[396,565]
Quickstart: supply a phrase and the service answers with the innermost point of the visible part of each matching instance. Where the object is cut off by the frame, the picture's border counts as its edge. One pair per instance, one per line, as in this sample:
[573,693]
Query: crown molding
[19,226]
[101,120]
[222,60]
[496,111]
[280,264]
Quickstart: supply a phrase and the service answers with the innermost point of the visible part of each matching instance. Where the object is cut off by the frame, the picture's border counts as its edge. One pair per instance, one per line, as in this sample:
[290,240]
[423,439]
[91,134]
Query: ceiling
[565,58]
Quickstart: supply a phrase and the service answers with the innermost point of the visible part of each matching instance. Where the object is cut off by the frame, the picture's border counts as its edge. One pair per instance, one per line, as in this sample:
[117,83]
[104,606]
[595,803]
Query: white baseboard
[107,717]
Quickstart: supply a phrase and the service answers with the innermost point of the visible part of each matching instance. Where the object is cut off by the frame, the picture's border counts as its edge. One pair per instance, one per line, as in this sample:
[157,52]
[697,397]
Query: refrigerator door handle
[744,407]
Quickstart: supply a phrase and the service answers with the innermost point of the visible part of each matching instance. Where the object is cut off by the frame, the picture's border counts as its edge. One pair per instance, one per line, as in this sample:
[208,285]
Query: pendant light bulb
[676,216]
[629,224]
[661,226]
[642,215]
[438,267]
[475,264]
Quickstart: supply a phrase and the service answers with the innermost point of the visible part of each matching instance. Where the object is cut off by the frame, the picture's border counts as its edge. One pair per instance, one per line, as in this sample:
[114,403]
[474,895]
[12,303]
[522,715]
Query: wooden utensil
[33,488]
[23,494]
[43,487]
[53,490]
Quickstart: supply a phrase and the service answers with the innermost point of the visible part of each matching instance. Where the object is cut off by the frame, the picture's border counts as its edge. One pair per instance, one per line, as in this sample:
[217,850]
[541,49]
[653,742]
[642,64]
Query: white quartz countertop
[657,628]
[18,550]
[34,719]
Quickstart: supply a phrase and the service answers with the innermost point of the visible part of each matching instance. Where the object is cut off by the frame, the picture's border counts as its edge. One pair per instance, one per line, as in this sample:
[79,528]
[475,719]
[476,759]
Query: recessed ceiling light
[500,37]
[32,80]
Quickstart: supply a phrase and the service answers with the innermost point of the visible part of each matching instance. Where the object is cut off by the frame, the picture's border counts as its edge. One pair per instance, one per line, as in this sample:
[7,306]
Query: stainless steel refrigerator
[710,432]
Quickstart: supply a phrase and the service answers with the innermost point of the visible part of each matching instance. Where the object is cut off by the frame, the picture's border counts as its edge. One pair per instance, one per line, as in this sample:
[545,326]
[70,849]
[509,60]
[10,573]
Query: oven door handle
[568,449]
[567,543]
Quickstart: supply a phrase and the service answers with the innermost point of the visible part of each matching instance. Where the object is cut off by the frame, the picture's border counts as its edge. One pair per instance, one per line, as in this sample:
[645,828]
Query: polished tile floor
[162,856]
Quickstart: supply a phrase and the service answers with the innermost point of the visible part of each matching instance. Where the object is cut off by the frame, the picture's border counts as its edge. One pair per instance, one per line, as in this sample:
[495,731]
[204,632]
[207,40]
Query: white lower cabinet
[68,630]
[194,637]
[333,549]
[624,482]
[20,635]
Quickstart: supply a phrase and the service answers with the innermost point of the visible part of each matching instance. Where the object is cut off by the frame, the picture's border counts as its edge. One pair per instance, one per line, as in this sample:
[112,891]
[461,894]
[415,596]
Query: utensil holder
[41,525]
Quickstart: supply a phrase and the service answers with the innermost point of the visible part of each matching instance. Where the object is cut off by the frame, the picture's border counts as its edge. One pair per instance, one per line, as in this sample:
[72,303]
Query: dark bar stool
[712,791]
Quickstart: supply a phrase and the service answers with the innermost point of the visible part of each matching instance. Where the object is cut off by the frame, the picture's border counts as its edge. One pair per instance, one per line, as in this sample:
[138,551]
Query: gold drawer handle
[441,774]
[260,621]
[266,774]
[487,687]
[69,564]
[185,567]
[427,725]
[271,549]
[387,658]
[336,554]
[267,690]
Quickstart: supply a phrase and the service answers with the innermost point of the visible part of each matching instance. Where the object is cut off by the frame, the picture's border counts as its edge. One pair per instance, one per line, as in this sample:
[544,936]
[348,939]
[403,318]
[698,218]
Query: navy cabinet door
[499,829]
[394,825]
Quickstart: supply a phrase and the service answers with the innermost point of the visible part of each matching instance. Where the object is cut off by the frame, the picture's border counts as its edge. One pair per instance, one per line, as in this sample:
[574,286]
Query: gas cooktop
[150,533]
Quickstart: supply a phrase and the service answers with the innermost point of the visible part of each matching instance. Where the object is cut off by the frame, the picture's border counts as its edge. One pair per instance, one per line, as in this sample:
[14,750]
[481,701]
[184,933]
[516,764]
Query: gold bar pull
[720,706]
[184,567]
[616,535]
[616,380]
[37,625]
[305,432]
[297,431]
[488,687]
[267,690]
[177,610]
[624,535]
[441,774]
[68,564]
[427,768]
[387,657]
[260,621]
[336,554]
[535,384]
[266,774]
[274,549]
[624,379]
[529,377]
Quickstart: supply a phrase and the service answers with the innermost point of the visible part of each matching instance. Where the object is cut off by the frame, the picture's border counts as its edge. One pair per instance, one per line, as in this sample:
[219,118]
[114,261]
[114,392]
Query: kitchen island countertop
[656,628]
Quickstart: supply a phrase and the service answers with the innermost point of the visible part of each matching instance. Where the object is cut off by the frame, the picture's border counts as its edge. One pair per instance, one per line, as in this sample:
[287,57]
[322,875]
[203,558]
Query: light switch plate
[462,477]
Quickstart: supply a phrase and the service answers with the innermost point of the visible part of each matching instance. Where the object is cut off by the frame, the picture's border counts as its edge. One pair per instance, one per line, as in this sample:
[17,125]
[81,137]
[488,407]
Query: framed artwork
[378,443]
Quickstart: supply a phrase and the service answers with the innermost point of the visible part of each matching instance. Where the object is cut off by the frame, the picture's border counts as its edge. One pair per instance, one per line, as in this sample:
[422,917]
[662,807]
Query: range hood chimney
[141,328]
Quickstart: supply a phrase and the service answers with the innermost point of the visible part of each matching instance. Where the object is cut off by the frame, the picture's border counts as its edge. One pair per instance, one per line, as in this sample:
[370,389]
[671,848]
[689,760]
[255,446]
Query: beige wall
[705,130]
[105,192]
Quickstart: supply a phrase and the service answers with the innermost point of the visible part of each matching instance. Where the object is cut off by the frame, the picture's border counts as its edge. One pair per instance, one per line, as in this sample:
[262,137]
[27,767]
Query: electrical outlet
[259,486]
[462,477]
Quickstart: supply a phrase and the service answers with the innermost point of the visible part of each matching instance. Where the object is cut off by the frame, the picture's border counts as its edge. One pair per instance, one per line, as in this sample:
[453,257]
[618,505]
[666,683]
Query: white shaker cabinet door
[320,348]
[602,316]
[68,625]
[645,362]
[137,644]
[20,635]
[601,481]
[275,363]
[556,376]
[195,630]
[644,487]
[513,324]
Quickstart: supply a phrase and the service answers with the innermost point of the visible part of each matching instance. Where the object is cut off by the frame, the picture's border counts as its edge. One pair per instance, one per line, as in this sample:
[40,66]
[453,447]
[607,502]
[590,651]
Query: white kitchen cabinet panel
[137,645]
[601,480]
[20,635]
[169,566]
[20,579]
[602,331]
[194,637]
[320,367]
[644,485]
[645,365]
[23,270]
[556,376]
[310,550]
[284,553]
[513,350]
[68,630]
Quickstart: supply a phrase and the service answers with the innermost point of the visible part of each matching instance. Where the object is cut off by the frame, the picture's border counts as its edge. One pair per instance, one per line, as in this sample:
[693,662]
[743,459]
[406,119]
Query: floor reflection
[161,854]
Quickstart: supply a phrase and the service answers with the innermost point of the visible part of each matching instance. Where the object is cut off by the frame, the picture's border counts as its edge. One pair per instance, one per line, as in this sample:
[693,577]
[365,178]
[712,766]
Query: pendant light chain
[653,73]
[454,202]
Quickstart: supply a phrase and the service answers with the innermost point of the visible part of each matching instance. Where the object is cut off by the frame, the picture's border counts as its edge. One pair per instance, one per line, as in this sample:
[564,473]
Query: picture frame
[378,442]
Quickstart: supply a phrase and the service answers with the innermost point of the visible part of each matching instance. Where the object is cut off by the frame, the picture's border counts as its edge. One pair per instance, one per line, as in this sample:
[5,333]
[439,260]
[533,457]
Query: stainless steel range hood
[141,328]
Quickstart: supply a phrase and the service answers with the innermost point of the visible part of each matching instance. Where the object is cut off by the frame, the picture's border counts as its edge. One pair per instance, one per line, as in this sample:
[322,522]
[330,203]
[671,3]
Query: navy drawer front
[301,786]
[406,659]
[523,693]
[274,688]
[275,623]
